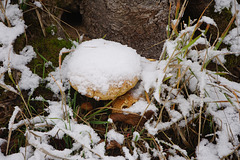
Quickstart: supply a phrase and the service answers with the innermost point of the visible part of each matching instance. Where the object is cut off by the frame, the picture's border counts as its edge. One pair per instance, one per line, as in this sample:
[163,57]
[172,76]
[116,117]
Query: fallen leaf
[87,106]
[113,145]
[132,119]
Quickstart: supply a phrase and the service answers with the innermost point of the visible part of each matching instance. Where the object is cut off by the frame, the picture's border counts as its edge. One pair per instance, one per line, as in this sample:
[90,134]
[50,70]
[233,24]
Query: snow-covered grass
[196,110]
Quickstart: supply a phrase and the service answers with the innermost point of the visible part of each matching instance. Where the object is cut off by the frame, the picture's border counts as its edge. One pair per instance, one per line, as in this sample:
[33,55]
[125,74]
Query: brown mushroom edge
[113,91]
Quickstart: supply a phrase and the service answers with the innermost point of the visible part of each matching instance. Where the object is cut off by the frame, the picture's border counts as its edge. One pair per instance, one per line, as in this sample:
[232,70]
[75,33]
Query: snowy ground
[208,92]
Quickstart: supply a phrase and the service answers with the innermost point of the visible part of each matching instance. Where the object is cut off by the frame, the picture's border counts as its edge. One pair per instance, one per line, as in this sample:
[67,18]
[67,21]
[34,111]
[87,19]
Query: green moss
[49,48]
[51,29]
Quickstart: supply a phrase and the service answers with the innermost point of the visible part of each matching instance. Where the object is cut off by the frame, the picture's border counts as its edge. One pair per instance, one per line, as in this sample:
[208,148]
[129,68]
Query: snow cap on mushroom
[103,69]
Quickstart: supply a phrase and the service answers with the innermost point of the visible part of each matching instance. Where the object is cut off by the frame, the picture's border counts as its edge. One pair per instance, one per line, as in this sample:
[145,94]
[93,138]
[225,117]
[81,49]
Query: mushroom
[103,69]
[124,101]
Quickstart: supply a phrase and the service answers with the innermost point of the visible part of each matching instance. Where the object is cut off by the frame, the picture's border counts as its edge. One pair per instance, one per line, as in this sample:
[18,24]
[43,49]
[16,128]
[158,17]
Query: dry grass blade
[41,23]
[42,149]
[140,120]
[224,67]
[226,31]
[184,86]
[11,121]
[81,118]
[179,78]
[7,88]
[172,145]
[177,8]
[64,101]
[147,97]
[184,140]
[200,122]
[197,25]
[20,93]
[60,58]
[56,19]
[3,12]
[159,148]
[17,86]
[59,20]
[174,26]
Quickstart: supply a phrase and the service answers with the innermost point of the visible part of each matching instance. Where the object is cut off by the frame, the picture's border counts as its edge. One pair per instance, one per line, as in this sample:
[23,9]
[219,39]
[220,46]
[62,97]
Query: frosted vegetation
[183,94]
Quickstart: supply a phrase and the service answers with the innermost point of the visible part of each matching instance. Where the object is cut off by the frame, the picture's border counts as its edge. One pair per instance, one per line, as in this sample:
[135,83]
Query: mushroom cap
[124,101]
[103,69]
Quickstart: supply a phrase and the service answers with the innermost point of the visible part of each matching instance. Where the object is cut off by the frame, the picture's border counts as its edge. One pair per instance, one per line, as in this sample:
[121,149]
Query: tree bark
[139,24]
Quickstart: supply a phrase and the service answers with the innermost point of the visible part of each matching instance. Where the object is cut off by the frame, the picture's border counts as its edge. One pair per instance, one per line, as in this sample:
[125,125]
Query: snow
[16,156]
[208,20]
[58,81]
[113,135]
[233,39]
[136,136]
[127,154]
[141,107]
[11,121]
[14,15]
[112,64]
[29,80]
[233,36]
[221,4]
[7,38]
[38,4]
[206,151]
[149,73]
[177,157]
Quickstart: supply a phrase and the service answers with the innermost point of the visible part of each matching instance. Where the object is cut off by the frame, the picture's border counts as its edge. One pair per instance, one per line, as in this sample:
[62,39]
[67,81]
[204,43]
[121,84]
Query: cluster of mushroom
[104,70]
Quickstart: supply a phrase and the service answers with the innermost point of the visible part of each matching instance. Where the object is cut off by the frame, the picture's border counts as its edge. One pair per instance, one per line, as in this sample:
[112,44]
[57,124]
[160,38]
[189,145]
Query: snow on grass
[141,107]
[11,121]
[208,20]
[11,60]
[221,4]
[209,88]
[233,37]
[113,135]
[136,136]
[57,80]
